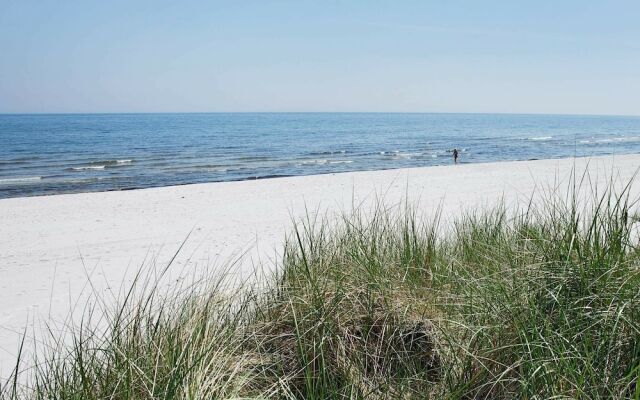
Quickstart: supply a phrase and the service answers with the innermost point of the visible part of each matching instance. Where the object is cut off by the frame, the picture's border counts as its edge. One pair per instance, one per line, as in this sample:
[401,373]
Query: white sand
[44,240]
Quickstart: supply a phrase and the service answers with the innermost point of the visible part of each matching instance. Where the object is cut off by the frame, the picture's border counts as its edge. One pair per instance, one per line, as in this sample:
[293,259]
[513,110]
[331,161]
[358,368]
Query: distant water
[46,154]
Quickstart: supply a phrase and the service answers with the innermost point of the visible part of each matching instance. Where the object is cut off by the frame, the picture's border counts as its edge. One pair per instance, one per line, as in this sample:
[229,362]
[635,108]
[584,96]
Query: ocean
[57,153]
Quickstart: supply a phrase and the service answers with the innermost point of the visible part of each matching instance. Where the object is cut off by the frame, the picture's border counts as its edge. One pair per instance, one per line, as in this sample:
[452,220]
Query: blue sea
[47,154]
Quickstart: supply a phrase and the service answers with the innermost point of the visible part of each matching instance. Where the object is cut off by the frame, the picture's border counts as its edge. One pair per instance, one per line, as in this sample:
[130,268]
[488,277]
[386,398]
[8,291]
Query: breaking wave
[22,180]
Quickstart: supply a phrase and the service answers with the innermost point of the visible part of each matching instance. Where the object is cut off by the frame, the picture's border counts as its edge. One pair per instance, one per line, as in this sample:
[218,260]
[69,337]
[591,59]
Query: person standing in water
[455,156]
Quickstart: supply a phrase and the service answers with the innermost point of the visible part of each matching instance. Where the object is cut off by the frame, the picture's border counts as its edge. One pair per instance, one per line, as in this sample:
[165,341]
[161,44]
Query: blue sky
[578,57]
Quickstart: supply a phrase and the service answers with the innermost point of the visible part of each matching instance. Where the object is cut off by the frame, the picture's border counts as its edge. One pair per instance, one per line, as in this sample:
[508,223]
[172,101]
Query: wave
[326,152]
[22,180]
[87,167]
[210,168]
[311,162]
[341,162]
[253,158]
[623,139]
[267,176]
[325,161]
[13,162]
[407,155]
[111,162]
[19,160]
[397,154]
[100,165]
[540,138]
[192,166]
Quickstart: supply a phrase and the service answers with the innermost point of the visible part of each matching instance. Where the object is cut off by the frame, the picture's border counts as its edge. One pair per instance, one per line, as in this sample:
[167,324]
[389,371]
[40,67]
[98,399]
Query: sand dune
[51,245]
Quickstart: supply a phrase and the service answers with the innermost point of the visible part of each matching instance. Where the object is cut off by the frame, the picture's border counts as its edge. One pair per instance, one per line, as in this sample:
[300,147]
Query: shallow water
[47,154]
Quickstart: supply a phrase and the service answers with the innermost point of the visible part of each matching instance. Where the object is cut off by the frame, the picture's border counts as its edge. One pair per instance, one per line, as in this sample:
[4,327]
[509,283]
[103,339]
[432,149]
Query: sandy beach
[51,246]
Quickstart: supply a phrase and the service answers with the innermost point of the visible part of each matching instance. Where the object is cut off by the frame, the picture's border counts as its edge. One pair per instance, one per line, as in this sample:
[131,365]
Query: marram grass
[534,303]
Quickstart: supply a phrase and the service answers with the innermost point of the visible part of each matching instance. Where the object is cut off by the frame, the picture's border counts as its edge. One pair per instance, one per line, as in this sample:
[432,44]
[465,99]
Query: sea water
[49,154]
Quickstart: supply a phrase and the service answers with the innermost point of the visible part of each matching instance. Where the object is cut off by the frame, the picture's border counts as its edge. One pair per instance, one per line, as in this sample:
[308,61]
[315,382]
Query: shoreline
[50,245]
[284,176]
[279,176]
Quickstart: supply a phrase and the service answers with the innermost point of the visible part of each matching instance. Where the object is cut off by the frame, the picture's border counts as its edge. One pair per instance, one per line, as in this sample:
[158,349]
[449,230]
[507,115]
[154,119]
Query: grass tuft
[541,302]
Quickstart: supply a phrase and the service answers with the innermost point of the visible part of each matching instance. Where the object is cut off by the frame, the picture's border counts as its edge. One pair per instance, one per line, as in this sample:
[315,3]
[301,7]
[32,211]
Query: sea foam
[12,181]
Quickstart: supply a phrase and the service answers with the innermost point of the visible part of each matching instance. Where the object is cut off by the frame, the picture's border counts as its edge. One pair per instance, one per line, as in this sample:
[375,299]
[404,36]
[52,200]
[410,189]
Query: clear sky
[569,56]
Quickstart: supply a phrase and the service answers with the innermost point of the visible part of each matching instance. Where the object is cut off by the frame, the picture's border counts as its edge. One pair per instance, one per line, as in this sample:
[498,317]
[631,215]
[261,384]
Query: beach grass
[540,301]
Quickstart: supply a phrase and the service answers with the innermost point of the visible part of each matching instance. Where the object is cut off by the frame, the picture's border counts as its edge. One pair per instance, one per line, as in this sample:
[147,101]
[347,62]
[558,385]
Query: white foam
[26,179]
[98,165]
[623,139]
[90,167]
[407,155]
[315,162]
[541,138]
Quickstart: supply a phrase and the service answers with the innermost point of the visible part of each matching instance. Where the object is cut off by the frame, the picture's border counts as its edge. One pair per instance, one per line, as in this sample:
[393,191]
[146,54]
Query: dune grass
[534,302]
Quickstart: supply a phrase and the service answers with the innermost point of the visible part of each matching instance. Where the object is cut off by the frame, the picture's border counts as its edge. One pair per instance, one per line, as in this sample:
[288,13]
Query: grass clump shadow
[534,302]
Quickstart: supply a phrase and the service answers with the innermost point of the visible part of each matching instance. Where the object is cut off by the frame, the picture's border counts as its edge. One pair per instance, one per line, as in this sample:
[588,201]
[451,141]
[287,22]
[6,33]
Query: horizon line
[313,112]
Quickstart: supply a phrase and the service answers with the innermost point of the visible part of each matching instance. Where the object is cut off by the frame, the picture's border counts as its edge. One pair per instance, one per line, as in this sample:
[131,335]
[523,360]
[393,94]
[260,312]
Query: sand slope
[50,245]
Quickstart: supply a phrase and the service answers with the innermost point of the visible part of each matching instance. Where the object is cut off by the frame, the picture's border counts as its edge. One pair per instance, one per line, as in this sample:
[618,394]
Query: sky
[559,57]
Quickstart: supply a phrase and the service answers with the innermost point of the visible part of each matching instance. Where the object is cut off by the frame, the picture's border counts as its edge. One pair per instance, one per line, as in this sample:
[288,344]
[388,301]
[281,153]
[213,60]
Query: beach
[296,200]
[52,246]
